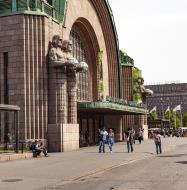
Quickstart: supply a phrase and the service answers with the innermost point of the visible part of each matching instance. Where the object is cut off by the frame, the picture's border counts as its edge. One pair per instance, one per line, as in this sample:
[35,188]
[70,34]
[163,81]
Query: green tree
[152,116]
[174,118]
[100,70]
[101,87]
[185,119]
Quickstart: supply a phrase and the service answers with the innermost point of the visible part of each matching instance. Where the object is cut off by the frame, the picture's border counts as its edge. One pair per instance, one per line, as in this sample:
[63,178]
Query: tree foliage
[152,116]
[174,118]
[185,119]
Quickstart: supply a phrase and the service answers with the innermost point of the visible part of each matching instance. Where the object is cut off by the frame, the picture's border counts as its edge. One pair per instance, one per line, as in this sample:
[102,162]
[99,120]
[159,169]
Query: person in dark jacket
[37,148]
[128,136]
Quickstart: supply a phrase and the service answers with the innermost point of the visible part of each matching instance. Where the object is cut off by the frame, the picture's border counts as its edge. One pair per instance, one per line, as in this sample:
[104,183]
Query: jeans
[110,143]
[158,148]
[140,139]
[129,146]
[102,146]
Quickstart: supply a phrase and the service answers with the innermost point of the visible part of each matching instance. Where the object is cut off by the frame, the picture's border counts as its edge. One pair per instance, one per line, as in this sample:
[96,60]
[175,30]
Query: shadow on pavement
[171,156]
[149,153]
[181,162]
[103,153]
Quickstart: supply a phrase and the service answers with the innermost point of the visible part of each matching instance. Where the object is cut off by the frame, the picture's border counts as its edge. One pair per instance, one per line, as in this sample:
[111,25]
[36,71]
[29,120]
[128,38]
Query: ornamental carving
[143,90]
[60,55]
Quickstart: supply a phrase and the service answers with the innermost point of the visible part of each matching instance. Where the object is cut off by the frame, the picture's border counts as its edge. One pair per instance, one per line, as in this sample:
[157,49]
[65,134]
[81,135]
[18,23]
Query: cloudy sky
[154,34]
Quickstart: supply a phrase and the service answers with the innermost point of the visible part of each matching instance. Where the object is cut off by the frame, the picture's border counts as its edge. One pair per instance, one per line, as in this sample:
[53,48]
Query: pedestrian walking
[110,139]
[133,135]
[158,142]
[140,135]
[129,140]
[102,140]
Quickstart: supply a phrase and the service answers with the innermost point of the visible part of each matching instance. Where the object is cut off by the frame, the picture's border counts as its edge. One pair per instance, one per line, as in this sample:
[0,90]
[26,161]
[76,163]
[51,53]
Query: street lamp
[181,115]
[168,108]
[162,109]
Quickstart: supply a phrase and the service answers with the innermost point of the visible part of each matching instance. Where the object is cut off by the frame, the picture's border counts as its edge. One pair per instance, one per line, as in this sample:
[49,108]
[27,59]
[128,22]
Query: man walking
[157,139]
[129,139]
[102,140]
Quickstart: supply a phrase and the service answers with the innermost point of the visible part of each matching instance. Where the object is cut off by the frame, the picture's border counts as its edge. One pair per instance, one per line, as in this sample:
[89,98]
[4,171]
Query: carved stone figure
[57,56]
[67,49]
[143,90]
[78,67]
[60,54]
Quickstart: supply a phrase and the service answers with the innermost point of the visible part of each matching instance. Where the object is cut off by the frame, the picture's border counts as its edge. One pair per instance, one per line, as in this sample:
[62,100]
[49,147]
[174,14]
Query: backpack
[32,147]
[157,139]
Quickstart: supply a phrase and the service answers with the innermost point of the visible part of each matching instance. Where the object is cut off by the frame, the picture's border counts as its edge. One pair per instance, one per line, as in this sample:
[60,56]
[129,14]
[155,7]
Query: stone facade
[46,94]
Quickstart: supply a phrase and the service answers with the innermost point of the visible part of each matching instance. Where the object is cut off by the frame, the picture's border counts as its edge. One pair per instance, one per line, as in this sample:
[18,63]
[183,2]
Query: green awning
[110,108]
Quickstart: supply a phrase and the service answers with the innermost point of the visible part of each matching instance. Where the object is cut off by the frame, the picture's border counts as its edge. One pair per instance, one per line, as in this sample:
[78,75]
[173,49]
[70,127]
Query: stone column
[61,93]
[57,107]
[141,122]
[145,126]
[57,96]
[72,96]
[63,130]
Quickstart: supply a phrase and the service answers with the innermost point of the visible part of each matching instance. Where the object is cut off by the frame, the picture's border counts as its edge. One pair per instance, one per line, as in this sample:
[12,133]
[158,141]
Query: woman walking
[140,135]
[110,139]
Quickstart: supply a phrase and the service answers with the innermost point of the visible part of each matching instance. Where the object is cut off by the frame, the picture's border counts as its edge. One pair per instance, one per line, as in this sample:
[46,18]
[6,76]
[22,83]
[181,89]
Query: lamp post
[168,109]
[162,110]
[181,115]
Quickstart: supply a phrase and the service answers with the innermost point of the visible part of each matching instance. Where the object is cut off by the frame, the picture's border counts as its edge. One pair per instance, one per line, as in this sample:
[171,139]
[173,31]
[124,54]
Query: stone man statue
[144,90]
[60,54]
[78,67]
[57,54]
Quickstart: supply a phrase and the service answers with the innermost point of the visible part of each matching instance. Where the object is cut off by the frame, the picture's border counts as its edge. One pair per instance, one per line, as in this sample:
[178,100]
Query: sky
[154,34]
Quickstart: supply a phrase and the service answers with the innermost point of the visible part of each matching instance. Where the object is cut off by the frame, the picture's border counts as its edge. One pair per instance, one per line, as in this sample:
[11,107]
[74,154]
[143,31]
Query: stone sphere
[83,66]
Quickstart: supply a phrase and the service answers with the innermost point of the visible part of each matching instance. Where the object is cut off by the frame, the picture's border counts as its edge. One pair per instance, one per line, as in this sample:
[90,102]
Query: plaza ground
[65,168]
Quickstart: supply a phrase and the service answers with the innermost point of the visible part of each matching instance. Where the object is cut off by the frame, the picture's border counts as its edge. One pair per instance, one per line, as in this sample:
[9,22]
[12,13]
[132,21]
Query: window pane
[80,54]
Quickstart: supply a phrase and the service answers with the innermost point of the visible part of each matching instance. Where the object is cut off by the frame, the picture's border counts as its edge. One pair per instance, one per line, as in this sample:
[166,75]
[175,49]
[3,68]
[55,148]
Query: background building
[165,95]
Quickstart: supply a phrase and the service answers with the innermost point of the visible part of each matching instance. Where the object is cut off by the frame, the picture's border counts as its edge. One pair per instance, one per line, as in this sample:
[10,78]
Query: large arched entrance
[86,48]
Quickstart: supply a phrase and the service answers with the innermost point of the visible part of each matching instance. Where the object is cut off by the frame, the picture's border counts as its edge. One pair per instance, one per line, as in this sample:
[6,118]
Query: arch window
[80,54]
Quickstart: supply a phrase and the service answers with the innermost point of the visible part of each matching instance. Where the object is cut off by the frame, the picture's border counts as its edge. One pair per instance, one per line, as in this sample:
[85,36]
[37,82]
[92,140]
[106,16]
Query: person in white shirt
[158,142]
[102,140]
[110,139]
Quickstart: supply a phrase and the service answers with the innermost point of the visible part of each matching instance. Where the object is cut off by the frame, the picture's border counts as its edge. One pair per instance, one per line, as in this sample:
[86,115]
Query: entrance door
[89,128]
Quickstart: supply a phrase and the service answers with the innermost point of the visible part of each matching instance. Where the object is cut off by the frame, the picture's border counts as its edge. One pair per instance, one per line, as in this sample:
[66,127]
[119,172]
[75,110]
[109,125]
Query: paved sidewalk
[61,168]
[13,156]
